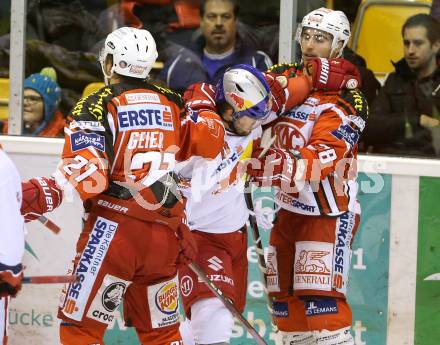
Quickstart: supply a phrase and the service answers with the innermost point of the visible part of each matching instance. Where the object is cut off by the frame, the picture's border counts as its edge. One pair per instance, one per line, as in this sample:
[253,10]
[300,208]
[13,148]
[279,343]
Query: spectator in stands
[404,119]
[216,49]
[435,9]
[40,100]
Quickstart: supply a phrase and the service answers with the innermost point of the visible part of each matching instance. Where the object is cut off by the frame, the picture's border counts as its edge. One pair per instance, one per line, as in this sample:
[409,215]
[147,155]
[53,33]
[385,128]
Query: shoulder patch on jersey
[93,105]
[347,133]
[355,99]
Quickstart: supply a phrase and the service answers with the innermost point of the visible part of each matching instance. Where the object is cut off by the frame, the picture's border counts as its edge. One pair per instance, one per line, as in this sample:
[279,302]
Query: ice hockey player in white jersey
[11,238]
[216,207]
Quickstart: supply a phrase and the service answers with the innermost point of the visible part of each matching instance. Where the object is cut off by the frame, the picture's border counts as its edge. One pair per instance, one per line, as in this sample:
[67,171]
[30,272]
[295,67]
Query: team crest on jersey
[288,135]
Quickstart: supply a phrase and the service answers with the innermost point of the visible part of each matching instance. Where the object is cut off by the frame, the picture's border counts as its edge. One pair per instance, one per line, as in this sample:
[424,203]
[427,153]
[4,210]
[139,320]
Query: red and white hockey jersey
[132,134]
[323,133]
[214,189]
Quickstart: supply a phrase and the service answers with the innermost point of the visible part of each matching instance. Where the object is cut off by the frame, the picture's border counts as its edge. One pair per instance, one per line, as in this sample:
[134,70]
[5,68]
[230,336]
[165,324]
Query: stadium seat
[4,98]
[377,31]
[92,87]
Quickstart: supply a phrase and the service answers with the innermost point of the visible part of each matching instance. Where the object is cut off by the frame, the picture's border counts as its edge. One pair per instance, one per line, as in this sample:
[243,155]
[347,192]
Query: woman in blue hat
[40,101]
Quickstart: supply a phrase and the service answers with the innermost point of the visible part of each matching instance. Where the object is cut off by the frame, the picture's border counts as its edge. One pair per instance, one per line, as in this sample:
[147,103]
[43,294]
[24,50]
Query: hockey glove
[333,74]
[10,283]
[40,195]
[200,96]
[187,245]
[275,169]
[277,84]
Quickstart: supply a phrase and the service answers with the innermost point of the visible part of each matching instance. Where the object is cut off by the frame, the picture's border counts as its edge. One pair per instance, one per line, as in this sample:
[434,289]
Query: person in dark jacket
[404,119]
[218,48]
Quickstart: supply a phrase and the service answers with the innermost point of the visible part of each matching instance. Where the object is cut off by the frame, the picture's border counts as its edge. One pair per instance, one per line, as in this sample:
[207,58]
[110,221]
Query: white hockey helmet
[246,90]
[134,52]
[327,20]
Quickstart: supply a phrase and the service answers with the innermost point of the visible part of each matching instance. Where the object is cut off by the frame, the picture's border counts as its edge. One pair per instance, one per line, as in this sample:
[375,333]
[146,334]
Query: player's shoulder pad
[92,107]
[290,68]
[355,99]
[169,94]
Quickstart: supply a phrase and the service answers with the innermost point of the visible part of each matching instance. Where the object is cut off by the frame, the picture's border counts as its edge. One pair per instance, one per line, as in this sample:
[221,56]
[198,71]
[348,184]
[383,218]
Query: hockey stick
[49,224]
[49,279]
[227,303]
[259,249]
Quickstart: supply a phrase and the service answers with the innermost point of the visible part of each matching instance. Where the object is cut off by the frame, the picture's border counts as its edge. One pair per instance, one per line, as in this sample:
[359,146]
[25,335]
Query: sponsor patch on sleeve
[347,133]
[81,140]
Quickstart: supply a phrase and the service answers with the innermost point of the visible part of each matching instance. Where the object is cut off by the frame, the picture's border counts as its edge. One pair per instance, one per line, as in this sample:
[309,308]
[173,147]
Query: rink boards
[395,275]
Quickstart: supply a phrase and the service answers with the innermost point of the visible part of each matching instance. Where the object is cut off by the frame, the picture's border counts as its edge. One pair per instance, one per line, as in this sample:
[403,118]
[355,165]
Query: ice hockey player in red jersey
[313,164]
[121,146]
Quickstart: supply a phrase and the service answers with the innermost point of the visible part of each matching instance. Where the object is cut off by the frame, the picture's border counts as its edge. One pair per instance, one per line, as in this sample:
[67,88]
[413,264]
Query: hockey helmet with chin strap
[333,22]
[246,90]
[134,52]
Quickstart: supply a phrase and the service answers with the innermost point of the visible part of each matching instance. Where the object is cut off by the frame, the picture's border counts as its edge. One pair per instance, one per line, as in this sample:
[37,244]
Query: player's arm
[88,149]
[202,130]
[330,150]
[202,135]
[290,87]
[11,240]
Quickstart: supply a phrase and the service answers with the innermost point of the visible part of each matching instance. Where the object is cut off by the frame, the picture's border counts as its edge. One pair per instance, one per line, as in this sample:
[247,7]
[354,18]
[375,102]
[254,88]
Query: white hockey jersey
[214,189]
[12,223]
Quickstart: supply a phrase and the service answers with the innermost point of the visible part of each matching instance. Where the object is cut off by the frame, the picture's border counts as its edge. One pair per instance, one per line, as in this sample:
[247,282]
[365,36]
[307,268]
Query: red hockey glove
[10,283]
[333,74]
[187,244]
[277,90]
[200,96]
[40,195]
[276,168]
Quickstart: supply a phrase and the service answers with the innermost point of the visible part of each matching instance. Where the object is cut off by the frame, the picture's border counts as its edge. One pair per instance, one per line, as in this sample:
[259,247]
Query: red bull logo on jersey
[167,298]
